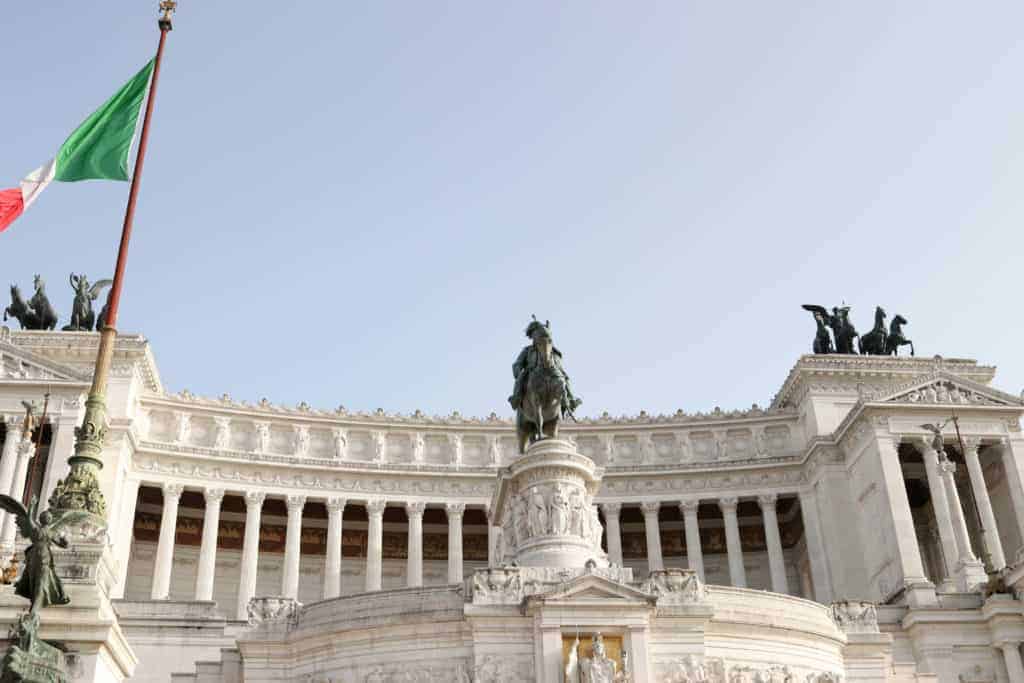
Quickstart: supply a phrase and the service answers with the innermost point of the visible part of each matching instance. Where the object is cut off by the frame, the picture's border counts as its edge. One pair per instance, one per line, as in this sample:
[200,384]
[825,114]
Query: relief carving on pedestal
[855,616]
[676,587]
[274,610]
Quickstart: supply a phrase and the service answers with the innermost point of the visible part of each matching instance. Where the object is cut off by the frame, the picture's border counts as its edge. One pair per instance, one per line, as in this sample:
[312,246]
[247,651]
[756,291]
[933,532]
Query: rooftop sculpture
[877,342]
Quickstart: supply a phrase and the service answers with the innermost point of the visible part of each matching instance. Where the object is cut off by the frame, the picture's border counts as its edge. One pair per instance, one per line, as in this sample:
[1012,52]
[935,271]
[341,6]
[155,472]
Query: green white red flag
[97,150]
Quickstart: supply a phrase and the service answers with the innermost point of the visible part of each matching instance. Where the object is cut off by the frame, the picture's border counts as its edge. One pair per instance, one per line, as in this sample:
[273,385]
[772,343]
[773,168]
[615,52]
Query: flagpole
[80,490]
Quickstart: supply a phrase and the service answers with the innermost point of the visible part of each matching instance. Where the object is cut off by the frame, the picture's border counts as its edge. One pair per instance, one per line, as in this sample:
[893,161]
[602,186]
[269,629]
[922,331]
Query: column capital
[336,504]
[255,498]
[172,489]
[376,507]
[728,503]
[454,509]
[295,503]
[213,496]
[611,509]
[415,508]
[691,506]
[971,445]
[767,500]
[650,507]
[14,422]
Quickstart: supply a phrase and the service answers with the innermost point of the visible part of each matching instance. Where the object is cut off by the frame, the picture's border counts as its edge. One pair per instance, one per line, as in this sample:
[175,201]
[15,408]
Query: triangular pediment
[18,364]
[591,587]
[944,389]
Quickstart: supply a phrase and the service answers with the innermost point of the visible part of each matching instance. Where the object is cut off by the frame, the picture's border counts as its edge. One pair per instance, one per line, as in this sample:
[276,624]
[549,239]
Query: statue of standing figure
[542,396]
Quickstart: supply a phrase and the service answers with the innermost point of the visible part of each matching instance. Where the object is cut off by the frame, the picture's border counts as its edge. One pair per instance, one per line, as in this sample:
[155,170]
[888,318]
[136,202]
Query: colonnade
[293,537]
[295,504]
[961,566]
[695,553]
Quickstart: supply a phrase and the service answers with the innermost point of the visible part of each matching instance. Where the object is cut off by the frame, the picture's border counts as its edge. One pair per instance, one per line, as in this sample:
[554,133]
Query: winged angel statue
[82,315]
[39,582]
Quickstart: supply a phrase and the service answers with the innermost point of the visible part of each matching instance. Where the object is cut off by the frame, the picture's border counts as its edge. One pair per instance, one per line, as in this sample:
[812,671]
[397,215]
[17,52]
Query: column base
[971,576]
[920,594]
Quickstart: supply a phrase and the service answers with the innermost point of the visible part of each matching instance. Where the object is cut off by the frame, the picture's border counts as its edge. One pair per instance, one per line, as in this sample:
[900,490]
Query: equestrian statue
[82,315]
[842,329]
[542,397]
[37,313]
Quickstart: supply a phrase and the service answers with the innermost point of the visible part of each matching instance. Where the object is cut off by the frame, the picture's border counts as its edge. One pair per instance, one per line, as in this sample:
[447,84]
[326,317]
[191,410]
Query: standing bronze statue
[542,396]
[874,342]
[37,313]
[82,315]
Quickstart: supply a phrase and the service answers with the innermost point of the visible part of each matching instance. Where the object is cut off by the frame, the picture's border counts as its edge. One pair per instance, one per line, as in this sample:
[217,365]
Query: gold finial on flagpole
[167,7]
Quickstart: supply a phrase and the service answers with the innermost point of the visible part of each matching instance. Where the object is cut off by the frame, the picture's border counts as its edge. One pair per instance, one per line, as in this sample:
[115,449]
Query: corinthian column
[332,562]
[208,548]
[250,551]
[694,553]
[374,544]
[455,512]
[25,450]
[414,563]
[292,547]
[988,520]
[650,510]
[940,506]
[611,522]
[165,545]
[737,572]
[9,459]
[776,562]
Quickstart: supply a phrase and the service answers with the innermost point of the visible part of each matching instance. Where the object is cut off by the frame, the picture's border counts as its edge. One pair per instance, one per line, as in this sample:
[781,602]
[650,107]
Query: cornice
[867,368]
[75,352]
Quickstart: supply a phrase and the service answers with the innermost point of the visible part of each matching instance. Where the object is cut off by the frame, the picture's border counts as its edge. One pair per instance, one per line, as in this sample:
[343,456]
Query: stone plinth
[545,508]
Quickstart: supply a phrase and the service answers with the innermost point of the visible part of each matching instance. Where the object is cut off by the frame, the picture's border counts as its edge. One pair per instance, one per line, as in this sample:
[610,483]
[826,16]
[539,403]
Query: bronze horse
[540,413]
[874,343]
[896,339]
[37,314]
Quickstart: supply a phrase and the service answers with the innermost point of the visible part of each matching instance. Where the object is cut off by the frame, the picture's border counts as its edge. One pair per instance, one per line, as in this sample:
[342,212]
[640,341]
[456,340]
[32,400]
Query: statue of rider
[528,359]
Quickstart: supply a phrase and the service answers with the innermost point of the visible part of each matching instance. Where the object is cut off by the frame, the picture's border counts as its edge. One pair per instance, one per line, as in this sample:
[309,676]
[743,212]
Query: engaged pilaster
[208,548]
[691,522]
[250,551]
[332,561]
[776,561]
[292,547]
[737,572]
[650,510]
[165,544]
[611,513]
[455,512]
[414,563]
[374,543]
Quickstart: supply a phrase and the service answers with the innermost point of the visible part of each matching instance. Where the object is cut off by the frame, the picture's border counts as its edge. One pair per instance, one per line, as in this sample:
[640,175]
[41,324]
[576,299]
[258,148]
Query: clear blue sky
[363,203]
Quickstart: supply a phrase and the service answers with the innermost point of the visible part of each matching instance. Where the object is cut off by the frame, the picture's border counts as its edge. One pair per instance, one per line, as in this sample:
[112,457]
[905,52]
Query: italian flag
[97,150]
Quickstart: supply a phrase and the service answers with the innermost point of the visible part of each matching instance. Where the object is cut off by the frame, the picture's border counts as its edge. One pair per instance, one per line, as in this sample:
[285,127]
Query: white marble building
[767,531]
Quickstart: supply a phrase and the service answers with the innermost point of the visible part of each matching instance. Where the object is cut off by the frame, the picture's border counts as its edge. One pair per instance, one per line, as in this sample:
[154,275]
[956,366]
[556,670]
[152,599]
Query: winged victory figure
[822,340]
[937,437]
[82,315]
[39,582]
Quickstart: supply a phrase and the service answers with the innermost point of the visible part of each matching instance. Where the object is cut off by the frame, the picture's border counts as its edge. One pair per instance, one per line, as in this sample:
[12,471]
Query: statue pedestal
[545,508]
[87,628]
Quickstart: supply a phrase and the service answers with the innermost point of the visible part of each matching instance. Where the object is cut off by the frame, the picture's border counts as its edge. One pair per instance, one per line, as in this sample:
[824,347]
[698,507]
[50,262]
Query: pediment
[945,389]
[18,364]
[590,587]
